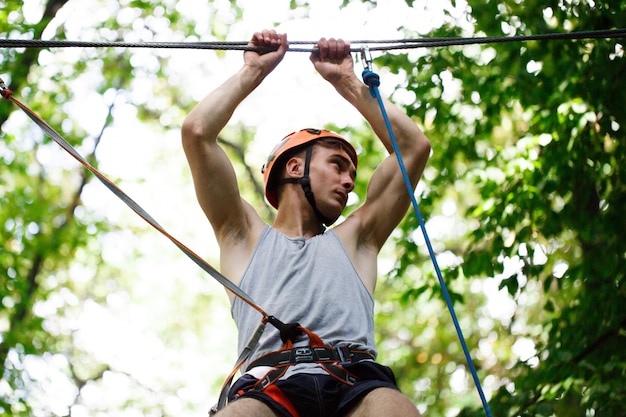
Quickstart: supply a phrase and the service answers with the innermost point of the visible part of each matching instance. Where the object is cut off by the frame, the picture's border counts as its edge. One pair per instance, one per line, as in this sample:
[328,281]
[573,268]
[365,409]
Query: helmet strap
[305,182]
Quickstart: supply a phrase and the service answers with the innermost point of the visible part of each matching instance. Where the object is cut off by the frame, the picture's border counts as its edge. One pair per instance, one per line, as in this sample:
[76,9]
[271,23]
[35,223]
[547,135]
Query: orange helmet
[294,141]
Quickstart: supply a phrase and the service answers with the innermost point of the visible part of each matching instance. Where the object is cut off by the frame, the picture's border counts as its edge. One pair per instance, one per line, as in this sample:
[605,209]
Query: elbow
[195,135]
[191,130]
[424,148]
[422,152]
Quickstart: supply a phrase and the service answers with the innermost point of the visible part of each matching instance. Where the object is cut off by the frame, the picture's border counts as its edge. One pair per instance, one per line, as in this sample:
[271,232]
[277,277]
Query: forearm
[211,115]
[407,133]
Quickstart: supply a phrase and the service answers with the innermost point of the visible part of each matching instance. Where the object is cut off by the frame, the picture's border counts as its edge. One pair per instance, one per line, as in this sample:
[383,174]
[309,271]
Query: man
[295,269]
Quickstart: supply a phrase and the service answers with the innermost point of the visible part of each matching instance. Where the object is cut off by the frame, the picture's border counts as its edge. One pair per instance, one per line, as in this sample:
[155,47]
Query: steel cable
[380,45]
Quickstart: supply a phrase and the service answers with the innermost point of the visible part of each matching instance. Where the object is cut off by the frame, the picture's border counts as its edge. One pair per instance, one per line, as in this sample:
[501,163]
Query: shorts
[316,395]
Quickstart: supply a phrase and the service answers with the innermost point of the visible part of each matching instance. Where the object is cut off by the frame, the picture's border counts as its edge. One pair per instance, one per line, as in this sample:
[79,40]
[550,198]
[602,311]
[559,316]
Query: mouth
[344,197]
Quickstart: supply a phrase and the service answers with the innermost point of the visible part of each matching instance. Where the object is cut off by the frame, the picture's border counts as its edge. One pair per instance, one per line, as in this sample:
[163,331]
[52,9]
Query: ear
[294,167]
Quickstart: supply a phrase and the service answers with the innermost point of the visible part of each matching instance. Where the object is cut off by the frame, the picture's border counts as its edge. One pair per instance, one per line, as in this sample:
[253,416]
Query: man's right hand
[265,62]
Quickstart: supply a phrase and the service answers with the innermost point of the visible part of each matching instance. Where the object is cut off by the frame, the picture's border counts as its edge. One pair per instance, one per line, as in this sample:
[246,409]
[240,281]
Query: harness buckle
[303,355]
[4,90]
[344,354]
[266,381]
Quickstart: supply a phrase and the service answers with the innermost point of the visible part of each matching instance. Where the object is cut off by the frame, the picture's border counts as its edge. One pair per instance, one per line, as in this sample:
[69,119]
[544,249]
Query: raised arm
[387,199]
[213,174]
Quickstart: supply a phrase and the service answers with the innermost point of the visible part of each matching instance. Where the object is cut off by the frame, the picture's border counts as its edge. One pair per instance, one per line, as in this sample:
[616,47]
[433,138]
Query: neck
[298,223]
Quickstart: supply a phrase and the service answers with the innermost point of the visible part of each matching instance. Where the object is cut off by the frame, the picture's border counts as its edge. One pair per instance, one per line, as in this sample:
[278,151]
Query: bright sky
[125,334]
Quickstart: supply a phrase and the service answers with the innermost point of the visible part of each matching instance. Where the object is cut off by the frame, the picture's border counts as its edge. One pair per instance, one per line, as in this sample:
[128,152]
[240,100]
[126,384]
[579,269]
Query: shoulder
[358,230]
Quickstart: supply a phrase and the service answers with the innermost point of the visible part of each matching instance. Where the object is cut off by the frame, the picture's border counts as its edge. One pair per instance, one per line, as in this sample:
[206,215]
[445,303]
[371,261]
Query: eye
[336,163]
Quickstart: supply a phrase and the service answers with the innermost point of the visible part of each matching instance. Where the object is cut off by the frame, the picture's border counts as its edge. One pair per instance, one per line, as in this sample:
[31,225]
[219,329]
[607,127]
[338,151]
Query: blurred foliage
[51,259]
[532,142]
[523,195]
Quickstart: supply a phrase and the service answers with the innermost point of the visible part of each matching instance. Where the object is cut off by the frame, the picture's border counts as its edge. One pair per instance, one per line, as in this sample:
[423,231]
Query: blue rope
[372,80]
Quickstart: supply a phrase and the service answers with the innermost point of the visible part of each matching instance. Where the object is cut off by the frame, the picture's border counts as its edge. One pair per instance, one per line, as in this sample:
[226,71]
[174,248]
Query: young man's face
[332,175]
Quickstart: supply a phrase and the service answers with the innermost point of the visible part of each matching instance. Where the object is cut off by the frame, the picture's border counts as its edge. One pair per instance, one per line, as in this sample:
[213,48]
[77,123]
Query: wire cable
[382,45]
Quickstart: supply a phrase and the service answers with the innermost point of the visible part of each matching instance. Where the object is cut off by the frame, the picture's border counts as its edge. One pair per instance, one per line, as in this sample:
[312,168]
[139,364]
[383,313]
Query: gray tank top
[309,281]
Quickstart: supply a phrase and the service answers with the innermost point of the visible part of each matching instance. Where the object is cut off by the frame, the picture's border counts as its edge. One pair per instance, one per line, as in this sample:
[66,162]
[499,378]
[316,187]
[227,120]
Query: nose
[348,183]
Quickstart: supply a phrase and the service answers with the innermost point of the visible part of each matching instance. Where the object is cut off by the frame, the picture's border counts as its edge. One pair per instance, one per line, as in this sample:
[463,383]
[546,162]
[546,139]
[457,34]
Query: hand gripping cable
[372,80]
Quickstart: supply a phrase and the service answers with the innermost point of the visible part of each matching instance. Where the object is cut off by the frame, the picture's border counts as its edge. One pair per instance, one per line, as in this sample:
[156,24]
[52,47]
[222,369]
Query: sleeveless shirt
[309,281]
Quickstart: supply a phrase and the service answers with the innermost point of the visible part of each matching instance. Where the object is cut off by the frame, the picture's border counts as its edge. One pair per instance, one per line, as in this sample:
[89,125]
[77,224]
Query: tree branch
[24,61]
[258,188]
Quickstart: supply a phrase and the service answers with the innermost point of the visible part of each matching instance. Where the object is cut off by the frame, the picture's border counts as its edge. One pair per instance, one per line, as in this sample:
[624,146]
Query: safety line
[8,94]
[238,292]
[384,45]
[372,80]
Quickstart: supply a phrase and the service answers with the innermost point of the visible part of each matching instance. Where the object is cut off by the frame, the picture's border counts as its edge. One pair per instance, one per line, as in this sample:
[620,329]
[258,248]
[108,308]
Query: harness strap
[287,357]
[305,182]
[287,331]
[54,135]
[331,359]
[340,373]
[243,357]
[334,370]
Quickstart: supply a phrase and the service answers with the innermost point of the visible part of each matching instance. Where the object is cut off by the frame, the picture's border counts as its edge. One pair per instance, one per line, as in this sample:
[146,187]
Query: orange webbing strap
[314,340]
[8,94]
[4,90]
[245,354]
[243,357]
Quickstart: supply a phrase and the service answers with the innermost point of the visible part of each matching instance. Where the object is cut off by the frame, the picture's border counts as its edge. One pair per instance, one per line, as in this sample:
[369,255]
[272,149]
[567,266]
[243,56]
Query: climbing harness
[303,139]
[372,80]
[331,359]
